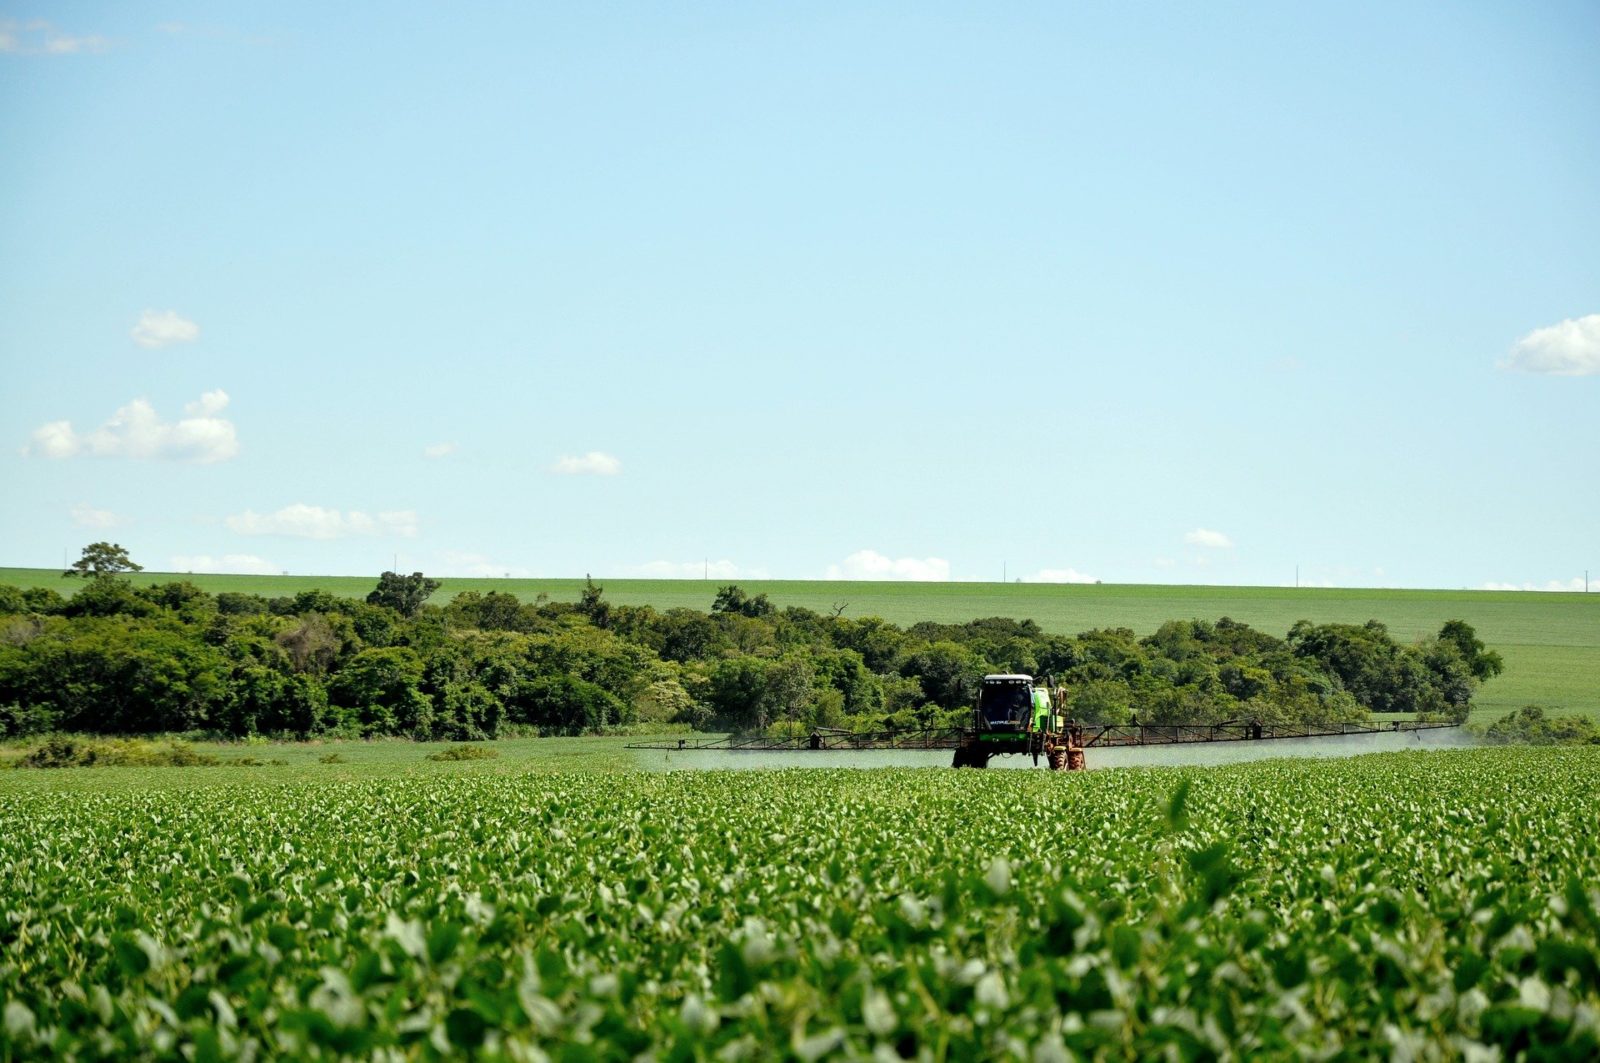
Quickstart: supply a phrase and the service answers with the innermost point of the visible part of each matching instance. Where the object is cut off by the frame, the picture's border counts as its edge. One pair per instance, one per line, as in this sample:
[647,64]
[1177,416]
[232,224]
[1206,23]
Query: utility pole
[1297,577]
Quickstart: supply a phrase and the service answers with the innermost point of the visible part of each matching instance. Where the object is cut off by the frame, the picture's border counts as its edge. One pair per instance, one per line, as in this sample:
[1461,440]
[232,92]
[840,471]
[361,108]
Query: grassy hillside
[1551,642]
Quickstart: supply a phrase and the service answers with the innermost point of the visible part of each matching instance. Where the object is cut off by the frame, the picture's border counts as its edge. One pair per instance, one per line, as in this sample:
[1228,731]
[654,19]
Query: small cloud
[1059,575]
[1571,348]
[301,521]
[439,450]
[1164,562]
[163,328]
[38,37]
[478,566]
[1213,540]
[1568,586]
[871,565]
[86,516]
[136,431]
[723,569]
[209,404]
[243,564]
[594,463]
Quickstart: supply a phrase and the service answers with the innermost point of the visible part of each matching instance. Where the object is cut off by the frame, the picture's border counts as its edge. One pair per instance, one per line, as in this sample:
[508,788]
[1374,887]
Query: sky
[1224,293]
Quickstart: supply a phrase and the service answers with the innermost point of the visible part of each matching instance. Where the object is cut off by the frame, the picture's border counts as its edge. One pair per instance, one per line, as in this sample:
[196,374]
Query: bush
[19,722]
[464,753]
[332,758]
[1531,727]
[62,752]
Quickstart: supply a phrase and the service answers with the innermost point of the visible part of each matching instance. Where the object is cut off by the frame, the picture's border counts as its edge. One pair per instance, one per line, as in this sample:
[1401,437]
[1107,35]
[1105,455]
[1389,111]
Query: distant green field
[1551,642]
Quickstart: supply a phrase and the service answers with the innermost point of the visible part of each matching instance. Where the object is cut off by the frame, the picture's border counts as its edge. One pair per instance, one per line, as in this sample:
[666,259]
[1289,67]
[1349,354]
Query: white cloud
[723,569]
[439,450]
[38,37]
[136,431]
[163,328]
[478,566]
[1214,540]
[594,463]
[1059,575]
[209,404]
[1569,586]
[1164,562]
[53,440]
[1571,348]
[301,521]
[86,516]
[869,564]
[245,564]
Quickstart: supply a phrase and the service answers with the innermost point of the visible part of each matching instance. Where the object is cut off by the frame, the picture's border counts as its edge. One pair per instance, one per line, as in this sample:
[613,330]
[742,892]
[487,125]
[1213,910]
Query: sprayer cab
[1006,704]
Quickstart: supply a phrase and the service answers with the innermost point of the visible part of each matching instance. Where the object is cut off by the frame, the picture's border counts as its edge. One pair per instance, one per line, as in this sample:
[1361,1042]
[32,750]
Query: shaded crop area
[1418,905]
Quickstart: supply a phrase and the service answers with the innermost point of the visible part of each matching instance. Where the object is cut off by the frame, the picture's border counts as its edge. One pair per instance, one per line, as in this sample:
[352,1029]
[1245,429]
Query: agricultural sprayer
[1017,714]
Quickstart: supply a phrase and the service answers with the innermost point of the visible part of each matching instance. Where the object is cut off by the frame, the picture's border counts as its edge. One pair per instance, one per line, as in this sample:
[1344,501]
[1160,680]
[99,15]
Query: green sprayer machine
[1018,714]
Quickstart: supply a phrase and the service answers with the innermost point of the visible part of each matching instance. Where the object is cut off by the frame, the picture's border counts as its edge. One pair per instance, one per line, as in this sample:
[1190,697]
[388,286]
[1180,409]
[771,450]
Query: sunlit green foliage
[1530,726]
[124,659]
[1398,906]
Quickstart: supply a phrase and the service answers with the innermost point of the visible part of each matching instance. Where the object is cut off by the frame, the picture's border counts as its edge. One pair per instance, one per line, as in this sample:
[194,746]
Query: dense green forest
[115,659]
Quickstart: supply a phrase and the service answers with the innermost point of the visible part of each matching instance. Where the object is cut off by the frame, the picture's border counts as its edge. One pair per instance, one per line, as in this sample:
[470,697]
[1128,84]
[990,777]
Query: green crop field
[1550,641]
[1410,905]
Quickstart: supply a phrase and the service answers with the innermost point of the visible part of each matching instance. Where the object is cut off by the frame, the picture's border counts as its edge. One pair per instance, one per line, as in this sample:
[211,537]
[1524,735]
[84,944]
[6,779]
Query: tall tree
[103,560]
[593,605]
[403,594]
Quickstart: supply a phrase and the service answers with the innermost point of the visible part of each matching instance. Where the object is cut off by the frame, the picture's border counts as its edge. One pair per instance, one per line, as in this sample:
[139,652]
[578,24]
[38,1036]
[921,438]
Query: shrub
[62,752]
[464,753]
[1530,726]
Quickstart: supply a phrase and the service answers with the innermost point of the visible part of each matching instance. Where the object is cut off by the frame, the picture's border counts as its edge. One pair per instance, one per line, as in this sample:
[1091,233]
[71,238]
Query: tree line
[115,659]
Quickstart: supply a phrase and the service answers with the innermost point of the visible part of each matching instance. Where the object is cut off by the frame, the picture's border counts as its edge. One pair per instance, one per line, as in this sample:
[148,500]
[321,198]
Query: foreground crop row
[1411,904]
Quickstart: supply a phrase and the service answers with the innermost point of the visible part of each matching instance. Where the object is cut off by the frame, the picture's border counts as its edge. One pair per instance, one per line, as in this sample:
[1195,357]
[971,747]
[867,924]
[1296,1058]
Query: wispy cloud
[1576,584]
[301,521]
[1571,348]
[86,516]
[137,431]
[244,564]
[478,566]
[39,37]
[594,463]
[720,569]
[1213,540]
[1059,575]
[871,565]
[162,328]
[216,33]
[439,450]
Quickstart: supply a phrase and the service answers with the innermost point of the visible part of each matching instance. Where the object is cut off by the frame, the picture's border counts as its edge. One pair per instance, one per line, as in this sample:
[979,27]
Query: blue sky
[1139,293]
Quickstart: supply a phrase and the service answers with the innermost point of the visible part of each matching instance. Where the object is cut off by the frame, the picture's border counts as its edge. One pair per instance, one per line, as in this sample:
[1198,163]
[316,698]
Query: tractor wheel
[960,759]
[1058,758]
